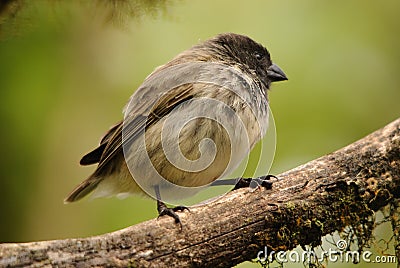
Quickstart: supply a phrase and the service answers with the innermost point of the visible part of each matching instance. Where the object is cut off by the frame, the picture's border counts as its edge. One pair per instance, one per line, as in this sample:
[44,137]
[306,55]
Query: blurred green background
[67,70]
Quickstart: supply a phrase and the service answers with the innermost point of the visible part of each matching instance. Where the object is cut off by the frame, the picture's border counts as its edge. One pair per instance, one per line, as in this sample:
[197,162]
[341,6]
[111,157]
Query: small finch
[191,122]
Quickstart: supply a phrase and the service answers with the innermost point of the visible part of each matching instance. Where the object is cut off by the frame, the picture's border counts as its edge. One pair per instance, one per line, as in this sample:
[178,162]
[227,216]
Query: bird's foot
[263,181]
[164,210]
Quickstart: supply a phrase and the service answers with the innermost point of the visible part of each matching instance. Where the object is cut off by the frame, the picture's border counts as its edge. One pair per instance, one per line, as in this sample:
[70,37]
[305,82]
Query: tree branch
[325,195]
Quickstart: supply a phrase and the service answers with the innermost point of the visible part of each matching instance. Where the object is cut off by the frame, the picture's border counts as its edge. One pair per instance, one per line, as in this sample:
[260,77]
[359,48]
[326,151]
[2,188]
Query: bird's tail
[83,189]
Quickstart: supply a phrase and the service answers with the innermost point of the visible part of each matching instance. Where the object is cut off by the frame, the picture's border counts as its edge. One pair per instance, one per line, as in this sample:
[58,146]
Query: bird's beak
[274,73]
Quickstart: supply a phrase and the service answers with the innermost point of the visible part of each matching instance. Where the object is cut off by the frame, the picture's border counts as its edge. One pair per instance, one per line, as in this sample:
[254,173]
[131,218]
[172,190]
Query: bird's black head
[247,54]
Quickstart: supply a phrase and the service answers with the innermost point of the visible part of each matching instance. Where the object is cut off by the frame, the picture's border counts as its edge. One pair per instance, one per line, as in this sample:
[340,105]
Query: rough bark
[341,189]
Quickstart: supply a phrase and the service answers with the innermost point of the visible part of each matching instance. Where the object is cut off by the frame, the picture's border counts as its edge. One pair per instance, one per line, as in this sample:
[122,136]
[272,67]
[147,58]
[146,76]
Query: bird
[189,124]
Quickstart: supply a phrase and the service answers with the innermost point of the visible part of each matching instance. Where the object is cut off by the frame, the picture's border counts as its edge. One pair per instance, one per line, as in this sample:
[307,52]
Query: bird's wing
[137,121]
[160,93]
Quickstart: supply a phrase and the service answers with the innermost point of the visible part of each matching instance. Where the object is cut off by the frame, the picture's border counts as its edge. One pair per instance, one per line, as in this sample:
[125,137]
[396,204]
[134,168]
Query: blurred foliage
[15,12]
[67,69]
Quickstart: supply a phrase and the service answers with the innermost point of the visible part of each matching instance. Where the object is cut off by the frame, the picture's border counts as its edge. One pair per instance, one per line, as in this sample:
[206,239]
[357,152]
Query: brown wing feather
[133,127]
[94,156]
[111,144]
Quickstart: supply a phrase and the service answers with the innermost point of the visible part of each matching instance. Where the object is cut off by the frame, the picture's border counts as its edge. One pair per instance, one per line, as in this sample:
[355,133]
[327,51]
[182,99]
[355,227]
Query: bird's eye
[258,56]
